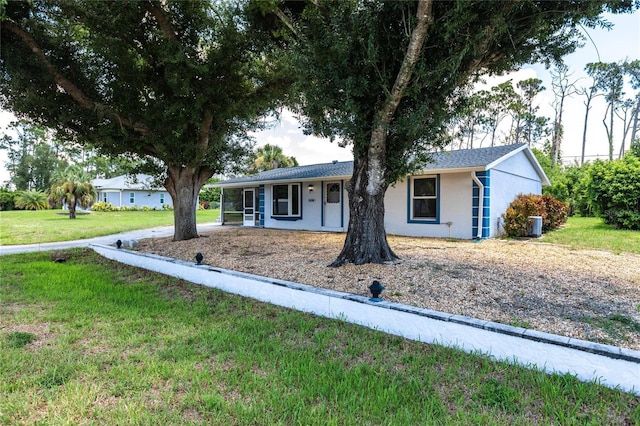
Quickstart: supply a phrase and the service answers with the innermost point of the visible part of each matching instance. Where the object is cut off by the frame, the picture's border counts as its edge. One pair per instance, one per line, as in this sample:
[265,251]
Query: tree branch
[418,35]
[161,17]
[68,86]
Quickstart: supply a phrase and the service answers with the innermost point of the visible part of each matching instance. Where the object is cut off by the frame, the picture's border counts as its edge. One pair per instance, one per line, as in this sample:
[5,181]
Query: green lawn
[89,341]
[40,226]
[591,232]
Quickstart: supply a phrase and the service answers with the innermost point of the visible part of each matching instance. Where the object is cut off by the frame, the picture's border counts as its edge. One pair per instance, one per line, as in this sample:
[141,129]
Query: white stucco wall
[510,178]
[455,207]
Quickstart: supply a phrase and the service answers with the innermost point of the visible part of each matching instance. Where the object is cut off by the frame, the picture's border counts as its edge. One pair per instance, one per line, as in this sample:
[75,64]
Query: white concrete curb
[609,365]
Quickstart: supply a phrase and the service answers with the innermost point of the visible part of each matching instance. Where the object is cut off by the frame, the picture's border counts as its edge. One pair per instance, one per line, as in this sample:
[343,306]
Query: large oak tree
[176,81]
[384,76]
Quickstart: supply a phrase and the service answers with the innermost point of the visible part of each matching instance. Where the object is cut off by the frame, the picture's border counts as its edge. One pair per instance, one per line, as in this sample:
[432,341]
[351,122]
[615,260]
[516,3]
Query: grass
[591,232]
[617,326]
[39,226]
[115,344]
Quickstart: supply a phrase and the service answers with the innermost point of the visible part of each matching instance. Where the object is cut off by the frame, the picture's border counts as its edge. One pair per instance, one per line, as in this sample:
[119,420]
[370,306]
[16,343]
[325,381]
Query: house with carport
[460,194]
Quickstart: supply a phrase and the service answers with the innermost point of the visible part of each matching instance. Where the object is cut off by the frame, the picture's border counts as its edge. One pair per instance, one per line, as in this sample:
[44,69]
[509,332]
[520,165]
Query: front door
[333,205]
[249,207]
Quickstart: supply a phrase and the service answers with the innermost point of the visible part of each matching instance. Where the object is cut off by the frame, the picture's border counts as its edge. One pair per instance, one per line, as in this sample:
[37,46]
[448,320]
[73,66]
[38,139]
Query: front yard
[587,294]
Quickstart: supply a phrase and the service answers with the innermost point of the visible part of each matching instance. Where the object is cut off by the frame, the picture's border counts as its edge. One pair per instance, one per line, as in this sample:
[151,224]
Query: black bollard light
[199,258]
[119,243]
[376,288]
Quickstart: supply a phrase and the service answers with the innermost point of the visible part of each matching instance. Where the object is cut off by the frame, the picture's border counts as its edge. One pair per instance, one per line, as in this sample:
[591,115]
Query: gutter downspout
[480,203]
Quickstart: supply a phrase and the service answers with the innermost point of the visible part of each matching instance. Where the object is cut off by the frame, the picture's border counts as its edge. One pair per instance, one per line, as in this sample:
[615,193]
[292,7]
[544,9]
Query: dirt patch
[530,284]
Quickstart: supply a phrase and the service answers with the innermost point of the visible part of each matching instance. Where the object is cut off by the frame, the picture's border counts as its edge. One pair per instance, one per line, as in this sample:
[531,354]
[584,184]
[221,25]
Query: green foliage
[516,219]
[7,199]
[350,52]
[613,191]
[32,156]
[269,157]
[210,194]
[32,200]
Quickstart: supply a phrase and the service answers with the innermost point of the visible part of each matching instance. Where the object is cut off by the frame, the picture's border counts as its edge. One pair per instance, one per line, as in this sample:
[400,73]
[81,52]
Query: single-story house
[461,194]
[127,191]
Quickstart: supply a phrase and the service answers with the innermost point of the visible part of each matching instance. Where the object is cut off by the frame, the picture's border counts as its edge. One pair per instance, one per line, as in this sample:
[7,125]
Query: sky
[621,42]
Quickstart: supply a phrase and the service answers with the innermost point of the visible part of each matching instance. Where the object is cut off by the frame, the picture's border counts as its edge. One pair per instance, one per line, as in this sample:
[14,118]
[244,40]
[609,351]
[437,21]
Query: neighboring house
[461,194]
[126,191]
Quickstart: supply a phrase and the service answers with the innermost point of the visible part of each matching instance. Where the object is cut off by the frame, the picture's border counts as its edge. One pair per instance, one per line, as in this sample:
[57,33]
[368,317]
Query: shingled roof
[473,159]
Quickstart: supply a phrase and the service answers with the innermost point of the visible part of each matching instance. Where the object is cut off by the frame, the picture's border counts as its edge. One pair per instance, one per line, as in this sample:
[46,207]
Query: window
[333,193]
[162,198]
[424,198]
[286,200]
[104,197]
[132,198]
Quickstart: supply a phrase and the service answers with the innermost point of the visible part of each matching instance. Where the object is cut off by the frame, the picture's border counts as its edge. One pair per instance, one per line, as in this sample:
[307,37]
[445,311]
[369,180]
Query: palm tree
[73,188]
[32,200]
[271,157]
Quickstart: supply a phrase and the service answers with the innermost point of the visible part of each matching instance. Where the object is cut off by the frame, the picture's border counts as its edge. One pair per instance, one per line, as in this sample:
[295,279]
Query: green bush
[7,200]
[516,219]
[102,206]
[167,207]
[31,200]
[613,191]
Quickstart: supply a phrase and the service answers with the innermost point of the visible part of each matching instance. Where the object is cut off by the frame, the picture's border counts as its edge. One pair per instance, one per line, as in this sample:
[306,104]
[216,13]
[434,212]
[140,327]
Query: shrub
[556,213]
[516,218]
[205,205]
[32,200]
[7,199]
[167,207]
[102,206]
[613,191]
[147,209]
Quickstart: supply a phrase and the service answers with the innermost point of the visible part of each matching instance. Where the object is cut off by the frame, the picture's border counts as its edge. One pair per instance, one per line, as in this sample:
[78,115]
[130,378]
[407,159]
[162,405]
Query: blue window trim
[434,221]
[261,206]
[289,218]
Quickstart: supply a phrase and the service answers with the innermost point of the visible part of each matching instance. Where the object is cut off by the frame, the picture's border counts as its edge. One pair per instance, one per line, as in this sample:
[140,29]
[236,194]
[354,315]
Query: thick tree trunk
[184,184]
[366,240]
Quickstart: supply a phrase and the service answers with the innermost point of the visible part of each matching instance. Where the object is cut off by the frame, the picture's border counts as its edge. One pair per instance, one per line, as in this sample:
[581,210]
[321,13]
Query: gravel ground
[587,294]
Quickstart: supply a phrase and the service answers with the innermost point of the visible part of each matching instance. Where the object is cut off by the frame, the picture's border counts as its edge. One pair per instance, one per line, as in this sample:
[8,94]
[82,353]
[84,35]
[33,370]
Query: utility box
[535,226]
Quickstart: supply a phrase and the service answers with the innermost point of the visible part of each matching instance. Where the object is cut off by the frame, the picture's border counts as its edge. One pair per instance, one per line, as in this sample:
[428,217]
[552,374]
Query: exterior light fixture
[199,258]
[119,243]
[310,187]
[376,288]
